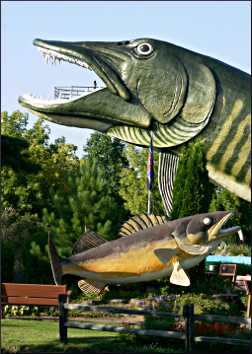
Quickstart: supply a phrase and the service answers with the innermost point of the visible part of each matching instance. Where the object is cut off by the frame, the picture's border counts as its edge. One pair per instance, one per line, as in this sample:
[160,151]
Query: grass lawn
[33,336]
[37,336]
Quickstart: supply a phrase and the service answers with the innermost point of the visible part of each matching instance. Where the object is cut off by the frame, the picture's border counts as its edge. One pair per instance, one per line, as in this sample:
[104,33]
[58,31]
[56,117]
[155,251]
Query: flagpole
[149,212]
[150,175]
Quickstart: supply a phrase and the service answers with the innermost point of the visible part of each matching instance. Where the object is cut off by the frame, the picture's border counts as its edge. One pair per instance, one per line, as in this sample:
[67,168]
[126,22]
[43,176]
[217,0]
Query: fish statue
[149,247]
[157,90]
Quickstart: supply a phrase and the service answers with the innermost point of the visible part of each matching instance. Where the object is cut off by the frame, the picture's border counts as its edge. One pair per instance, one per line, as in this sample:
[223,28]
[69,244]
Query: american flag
[150,168]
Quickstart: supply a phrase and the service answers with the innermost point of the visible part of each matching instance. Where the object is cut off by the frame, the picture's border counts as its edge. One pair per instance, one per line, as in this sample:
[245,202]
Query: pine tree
[192,191]
[86,206]
[109,155]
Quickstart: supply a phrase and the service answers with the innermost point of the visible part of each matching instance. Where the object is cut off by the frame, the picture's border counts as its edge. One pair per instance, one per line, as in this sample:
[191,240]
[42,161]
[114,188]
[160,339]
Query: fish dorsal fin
[87,241]
[141,222]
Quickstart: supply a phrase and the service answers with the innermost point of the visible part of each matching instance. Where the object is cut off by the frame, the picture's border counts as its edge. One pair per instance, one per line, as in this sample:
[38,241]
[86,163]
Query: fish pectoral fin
[91,286]
[179,276]
[164,254]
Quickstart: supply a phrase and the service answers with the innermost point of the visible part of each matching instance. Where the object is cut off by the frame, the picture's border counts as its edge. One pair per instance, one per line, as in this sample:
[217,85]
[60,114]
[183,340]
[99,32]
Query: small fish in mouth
[148,248]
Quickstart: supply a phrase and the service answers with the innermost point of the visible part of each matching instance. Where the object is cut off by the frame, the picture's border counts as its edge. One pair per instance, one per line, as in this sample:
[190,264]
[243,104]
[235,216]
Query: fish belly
[132,267]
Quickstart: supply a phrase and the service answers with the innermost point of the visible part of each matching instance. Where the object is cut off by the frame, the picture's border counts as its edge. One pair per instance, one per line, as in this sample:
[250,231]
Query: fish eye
[207,221]
[144,49]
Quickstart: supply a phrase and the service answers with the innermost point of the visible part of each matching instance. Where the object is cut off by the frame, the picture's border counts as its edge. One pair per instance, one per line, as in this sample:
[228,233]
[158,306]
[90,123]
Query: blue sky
[220,29]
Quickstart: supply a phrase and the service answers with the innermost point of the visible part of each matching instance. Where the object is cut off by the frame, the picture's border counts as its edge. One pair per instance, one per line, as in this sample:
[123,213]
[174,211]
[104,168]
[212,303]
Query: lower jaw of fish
[223,234]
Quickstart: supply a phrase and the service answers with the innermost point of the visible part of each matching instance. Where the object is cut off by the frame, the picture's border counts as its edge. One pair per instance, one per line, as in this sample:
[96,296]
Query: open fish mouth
[101,109]
[217,231]
[81,54]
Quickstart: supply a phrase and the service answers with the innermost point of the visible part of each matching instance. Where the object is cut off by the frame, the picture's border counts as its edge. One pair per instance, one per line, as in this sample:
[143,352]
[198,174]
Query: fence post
[188,313]
[63,313]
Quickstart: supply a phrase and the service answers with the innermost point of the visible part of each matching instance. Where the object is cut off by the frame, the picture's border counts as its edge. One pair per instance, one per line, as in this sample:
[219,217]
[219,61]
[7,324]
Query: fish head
[146,84]
[203,233]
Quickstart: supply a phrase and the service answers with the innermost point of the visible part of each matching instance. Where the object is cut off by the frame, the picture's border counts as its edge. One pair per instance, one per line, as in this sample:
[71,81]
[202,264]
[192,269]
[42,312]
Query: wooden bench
[32,294]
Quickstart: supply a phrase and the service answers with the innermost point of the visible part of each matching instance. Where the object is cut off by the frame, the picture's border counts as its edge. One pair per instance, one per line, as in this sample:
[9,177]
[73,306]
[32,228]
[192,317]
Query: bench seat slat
[21,300]
[32,290]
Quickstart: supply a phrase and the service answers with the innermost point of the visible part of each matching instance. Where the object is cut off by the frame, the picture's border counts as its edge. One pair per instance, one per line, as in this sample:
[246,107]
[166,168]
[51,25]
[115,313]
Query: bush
[19,310]
[233,249]
[206,304]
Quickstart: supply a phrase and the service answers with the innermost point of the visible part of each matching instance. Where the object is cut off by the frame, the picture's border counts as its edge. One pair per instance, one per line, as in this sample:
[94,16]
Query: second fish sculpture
[148,248]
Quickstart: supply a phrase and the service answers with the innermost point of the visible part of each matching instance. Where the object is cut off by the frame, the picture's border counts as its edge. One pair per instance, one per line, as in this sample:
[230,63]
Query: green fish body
[155,88]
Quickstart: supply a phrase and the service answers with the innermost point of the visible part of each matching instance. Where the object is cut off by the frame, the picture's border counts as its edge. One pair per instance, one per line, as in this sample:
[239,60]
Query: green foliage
[26,192]
[20,310]
[15,154]
[192,191]
[151,322]
[133,183]
[109,155]
[225,200]
[15,124]
[206,304]
[87,206]
[233,249]
[19,235]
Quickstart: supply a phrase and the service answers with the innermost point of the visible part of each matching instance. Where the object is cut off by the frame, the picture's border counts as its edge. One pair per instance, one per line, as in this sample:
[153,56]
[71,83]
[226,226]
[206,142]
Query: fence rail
[143,332]
[221,340]
[110,309]
[188,317]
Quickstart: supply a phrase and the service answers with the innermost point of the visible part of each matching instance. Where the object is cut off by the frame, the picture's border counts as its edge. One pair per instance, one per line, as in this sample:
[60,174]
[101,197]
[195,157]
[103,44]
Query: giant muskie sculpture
[159,89]
[149,248]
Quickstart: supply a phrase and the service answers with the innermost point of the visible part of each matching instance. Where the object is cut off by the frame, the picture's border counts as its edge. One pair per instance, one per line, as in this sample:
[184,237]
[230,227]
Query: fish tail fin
[55,261]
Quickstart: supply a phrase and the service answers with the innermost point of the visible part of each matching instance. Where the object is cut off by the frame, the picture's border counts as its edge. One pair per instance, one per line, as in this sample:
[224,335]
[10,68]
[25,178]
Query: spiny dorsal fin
[91,287]
[87,241]
[141,222]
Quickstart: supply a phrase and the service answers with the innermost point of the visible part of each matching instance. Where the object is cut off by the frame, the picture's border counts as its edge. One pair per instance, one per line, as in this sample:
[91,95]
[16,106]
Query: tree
[86,206]
[29,190]
[109,155]
[192,192]
[15,154]
[21,237]
[225,200]
[133,183]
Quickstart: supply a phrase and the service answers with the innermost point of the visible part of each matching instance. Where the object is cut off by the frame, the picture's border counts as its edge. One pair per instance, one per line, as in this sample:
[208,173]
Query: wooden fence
[188,317]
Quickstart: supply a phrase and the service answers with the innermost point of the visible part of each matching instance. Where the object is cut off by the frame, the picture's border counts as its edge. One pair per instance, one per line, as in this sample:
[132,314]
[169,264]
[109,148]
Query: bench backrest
[31,294]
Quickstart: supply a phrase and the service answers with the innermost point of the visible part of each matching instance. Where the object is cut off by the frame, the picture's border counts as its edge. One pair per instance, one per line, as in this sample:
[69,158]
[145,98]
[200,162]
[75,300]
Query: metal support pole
[188,313]
[149,203]
[150,175]
[63,314]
